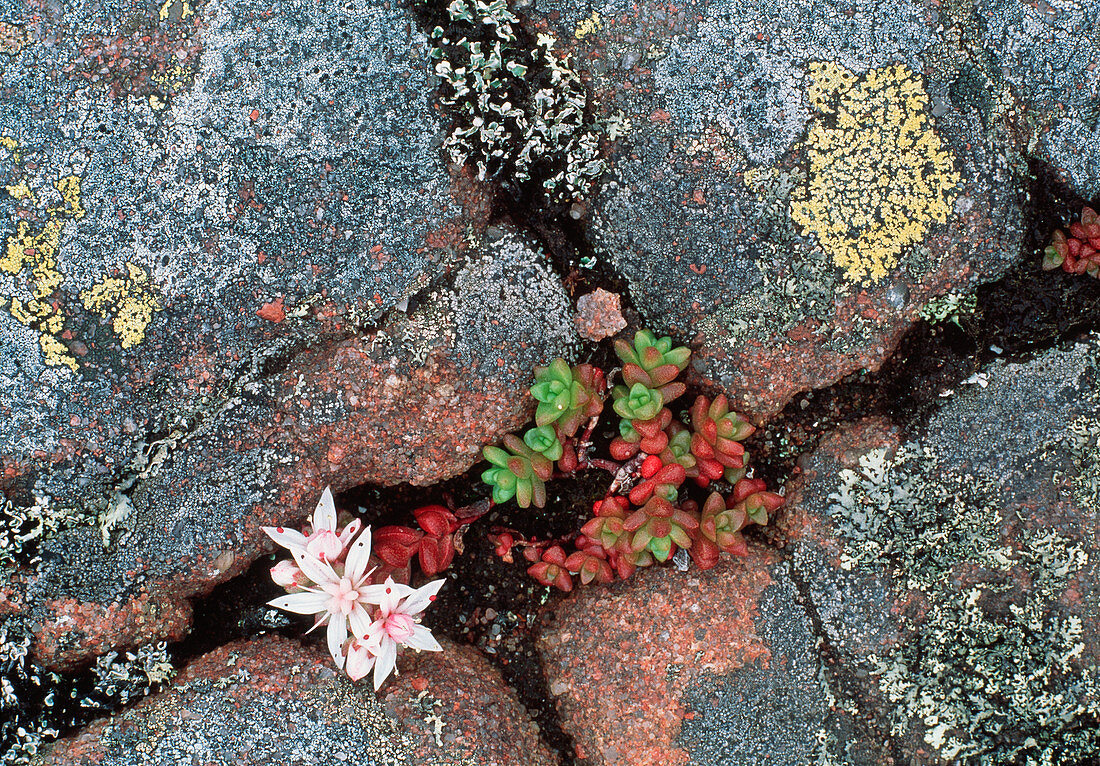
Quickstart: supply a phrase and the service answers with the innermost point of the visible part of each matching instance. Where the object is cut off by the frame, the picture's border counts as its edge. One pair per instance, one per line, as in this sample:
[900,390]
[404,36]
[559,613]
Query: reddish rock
[599,315]
[413,401]
[650,672]
[274,700]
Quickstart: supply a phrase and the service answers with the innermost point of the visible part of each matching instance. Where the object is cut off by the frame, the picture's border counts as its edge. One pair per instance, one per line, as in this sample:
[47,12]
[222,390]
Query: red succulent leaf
[436,520]
[436,554]
[704,553]
[396,545]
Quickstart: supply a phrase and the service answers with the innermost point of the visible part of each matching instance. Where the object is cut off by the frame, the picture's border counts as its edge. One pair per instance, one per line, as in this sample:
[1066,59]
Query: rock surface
[272,700]
[671,667]
[997,497]
[797,181]
[413,401]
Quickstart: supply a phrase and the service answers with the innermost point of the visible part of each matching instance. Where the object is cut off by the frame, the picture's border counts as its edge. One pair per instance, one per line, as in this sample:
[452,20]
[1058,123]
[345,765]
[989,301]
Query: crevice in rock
[1024,313]
[832,662]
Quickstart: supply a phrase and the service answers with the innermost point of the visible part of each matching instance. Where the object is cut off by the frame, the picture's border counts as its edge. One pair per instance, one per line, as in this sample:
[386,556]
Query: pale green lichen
[949,308]
[889,512]
[1084,443]
[520,111]
[982,686]
[23,528]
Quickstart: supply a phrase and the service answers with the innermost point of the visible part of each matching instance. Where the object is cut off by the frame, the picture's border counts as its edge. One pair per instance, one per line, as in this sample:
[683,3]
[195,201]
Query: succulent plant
[719,530]
[716,437]
[552,570]
[520,473]
[567,396]
[659,480]
[653,363]
[1079,253]
[607,526]
[590,564]
[544,440]
[436,548]
[751,497]
[678,449]
[646,435]
[659,526]
[637,402]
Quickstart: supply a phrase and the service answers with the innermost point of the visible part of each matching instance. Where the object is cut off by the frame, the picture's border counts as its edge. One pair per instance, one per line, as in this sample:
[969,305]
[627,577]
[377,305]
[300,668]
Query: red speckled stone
[626,662]
[599,315]
[275,700]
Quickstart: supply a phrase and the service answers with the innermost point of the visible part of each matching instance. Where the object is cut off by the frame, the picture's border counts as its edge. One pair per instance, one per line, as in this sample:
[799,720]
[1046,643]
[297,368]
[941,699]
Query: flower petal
[324,516]
[337,634]
[315,569]
[350,531]
[419,599]
[360,660]
[423,640]
[385,662]
[360,621]
[286,537]
[386,596]
[358,556]
[302,603]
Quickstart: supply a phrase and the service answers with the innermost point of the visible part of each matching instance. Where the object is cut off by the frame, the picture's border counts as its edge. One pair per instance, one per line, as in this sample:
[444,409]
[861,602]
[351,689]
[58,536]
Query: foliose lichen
[519,109]
[37,705]
[983,685]
[23,528]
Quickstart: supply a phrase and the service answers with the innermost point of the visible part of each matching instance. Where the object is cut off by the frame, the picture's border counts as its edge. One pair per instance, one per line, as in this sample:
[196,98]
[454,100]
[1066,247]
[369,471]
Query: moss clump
[982,684]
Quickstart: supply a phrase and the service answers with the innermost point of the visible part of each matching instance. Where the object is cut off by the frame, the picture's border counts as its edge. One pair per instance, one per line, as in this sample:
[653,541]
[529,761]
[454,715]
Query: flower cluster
[1079,253]
[334,577]
[647,514]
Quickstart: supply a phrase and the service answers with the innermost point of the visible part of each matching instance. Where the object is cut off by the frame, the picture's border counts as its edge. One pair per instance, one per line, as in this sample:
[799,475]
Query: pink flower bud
[287,574]
[399,627]
[326,546]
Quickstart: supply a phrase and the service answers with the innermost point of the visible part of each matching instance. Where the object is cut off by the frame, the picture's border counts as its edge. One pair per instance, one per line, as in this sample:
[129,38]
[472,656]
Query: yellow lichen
[36,249]
[9,143]
[878,174]
[20,191]
[184,12]
[69,188]
[131,299]
[588,26]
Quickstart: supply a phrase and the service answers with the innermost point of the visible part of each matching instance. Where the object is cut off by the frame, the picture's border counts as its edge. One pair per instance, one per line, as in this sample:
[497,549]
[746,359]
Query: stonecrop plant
[335,577]
[647,514]
[1078,253]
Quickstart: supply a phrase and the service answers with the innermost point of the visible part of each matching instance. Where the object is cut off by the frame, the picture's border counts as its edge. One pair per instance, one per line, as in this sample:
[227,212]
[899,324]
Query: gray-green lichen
[519,110]
[949,308]
[889,511]
[37,704]
[982,683]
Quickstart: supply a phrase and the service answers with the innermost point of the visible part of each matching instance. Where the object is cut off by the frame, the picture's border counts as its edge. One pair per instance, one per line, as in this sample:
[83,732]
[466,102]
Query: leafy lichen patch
[987,674]
[879,176]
